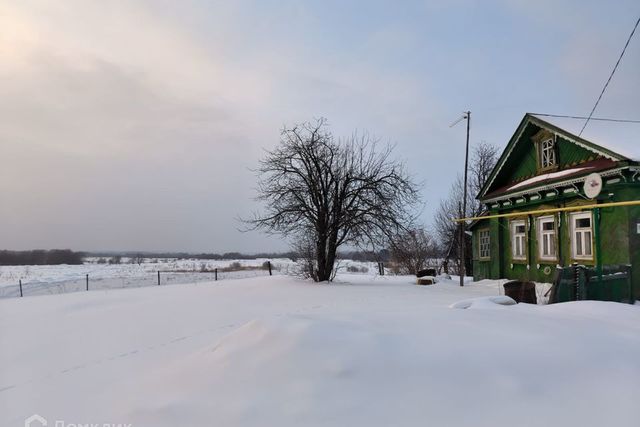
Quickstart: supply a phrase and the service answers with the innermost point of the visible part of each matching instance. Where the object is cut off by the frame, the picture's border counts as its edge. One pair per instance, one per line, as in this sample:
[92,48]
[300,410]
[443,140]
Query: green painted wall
[631,192]
[620,242]
[524,160]
[524,165]
[488,269]
[634,247]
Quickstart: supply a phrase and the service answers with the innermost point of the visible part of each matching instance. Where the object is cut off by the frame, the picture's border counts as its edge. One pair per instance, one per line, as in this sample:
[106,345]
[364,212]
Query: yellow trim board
[553,210]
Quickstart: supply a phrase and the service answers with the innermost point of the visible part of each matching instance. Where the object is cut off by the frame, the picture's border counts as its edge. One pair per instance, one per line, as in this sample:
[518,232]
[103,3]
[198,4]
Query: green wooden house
[540,212]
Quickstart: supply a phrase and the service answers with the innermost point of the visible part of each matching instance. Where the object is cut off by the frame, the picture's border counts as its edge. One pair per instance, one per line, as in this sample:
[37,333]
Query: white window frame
[518,240]
[550,236]
[484,244]
[547,153]
[580,236]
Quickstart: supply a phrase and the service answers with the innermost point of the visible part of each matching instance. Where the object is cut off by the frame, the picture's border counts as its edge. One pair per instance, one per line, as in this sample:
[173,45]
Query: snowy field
[277,351]
[56,279]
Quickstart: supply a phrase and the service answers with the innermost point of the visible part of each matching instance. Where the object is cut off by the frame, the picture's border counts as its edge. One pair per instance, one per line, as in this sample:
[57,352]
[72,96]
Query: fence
[175,274]
[577,282]
[86,282]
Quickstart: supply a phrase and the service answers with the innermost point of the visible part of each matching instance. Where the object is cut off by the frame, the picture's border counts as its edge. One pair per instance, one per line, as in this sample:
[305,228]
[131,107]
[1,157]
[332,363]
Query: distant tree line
[41,257]
[67,256]
[115,257]
[190,255]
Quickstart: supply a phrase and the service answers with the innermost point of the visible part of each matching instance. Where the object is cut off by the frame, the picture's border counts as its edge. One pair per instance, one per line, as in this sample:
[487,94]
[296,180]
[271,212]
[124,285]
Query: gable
[520,161]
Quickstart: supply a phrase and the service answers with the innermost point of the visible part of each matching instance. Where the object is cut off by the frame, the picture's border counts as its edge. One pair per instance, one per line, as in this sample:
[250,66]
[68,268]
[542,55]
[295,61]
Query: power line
[602,119]
[610,76]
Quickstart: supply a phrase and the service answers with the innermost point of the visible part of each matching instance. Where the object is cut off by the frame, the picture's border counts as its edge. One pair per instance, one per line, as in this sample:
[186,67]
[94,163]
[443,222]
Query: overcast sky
[133,125]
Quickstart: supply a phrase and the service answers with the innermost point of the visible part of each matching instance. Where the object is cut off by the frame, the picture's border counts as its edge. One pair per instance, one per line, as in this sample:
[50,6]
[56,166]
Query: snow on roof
[622,138]
[592,166]
[547,176]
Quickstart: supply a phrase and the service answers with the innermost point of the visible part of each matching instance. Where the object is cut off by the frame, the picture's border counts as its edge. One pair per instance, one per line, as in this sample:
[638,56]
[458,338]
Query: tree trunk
[321,257]
[332,249]
[326,249]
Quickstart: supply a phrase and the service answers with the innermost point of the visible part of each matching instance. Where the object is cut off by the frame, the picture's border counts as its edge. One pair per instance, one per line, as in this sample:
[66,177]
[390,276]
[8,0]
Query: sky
[135,125]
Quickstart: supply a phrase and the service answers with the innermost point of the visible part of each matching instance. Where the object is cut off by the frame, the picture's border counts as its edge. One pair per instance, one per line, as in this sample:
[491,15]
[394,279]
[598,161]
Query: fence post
[87,282]
[21,288]
[216,274]
[269,265]
[576,281]
[158,277]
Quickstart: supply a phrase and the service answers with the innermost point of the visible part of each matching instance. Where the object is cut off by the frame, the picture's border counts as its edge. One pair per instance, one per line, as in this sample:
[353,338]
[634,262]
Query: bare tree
[413,250]
[306,260]
[483,160]
[332,192]
[447,231]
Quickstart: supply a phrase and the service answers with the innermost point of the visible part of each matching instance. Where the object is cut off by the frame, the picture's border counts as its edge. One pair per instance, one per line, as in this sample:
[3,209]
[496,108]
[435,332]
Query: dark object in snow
[426,272]
[521,291]
[579,282]
[425,280]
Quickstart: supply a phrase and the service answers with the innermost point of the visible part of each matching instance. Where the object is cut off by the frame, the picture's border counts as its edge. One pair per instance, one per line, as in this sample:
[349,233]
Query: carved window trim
[546,145]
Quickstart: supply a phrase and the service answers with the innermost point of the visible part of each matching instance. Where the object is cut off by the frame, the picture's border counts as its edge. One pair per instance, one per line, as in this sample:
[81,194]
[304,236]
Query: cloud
[119,138]
[133,125]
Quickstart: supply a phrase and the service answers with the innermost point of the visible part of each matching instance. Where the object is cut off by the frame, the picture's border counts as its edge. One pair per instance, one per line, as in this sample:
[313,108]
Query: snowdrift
[301,370]
[370,351]
[484,302]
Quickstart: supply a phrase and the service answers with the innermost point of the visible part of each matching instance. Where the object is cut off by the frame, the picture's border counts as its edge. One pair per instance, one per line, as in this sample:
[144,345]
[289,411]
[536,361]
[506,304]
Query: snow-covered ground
[277,351]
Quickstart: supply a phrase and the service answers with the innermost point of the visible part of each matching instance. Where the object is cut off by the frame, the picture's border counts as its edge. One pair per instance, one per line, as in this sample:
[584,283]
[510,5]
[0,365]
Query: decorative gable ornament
[592,185]
[547,139]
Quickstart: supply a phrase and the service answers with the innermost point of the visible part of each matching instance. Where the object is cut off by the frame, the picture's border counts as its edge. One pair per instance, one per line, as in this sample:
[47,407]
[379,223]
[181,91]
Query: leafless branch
[342,192]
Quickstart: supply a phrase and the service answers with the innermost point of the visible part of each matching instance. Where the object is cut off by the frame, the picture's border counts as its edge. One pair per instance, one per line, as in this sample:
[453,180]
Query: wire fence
[29,284]
[86,282]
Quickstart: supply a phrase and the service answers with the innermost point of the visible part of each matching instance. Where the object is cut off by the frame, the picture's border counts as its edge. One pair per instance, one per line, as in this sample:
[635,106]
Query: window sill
[548,169]
[583,260]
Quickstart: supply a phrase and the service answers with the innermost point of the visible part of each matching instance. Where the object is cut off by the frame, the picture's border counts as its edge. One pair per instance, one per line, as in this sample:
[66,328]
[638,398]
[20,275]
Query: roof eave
[530,118]
[546,185]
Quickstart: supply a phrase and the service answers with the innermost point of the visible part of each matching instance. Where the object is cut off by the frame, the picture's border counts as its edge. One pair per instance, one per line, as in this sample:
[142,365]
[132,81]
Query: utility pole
[463,214]
[461,245]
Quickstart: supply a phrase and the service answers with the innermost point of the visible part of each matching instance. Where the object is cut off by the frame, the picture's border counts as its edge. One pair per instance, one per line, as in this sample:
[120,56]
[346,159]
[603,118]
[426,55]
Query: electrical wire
[603,119]
[610,76]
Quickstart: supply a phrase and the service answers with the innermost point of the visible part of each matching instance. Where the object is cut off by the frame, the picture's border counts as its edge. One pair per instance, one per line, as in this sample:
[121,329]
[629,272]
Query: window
[484,244]
[581,234]
[547,238]
[518,240]
[547,154]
